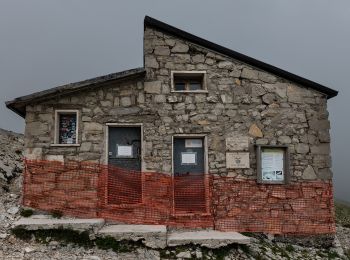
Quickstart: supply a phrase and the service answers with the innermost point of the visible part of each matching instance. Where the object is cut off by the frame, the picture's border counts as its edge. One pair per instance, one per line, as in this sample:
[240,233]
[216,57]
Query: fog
[44,44]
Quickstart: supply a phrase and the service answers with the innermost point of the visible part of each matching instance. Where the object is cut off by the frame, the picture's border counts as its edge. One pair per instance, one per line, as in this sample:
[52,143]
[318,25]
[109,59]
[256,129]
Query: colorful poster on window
[67,128]
[272,164]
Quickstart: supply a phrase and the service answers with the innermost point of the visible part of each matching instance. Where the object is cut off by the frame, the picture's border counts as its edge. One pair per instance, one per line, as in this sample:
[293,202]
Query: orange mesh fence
[199,201]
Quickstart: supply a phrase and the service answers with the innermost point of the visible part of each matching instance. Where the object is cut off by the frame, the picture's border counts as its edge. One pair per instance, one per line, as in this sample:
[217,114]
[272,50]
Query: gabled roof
[168,29]
[18,105]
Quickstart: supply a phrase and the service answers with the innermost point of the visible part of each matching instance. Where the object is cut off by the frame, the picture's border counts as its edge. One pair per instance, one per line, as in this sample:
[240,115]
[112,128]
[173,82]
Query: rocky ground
[11,247]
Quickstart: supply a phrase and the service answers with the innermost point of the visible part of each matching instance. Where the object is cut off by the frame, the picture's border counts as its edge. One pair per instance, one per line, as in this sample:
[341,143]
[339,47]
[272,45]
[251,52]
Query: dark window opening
[67,128]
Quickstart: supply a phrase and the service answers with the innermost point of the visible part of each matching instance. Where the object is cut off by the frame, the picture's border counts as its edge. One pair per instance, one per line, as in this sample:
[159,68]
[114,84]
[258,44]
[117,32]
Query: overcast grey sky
[48,43]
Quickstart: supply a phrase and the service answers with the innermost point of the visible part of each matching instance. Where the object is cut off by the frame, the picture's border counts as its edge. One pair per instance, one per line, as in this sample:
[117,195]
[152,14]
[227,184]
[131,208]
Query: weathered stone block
[319,124]
[284,139]
[125,101]
[37,128]
[295,94]
[309,173]
[198,58]
[248,73]
[162,50]
[92,126]
[151,62]
[159,99]
[225,64]
[85,147]
[153,87]
[269,98]
[302,148]
[266,77]
[324,136]
[325,174]
[106,103]
[255,131]
[180,48]
[321,149]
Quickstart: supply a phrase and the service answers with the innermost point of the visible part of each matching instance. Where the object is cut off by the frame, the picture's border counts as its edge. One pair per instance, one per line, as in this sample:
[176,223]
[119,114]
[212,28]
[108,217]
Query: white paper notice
[272,164]
[124,150]
[188,158]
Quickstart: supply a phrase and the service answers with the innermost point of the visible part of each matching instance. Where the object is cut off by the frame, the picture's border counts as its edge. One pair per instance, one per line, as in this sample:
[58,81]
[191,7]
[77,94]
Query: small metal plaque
[237,160]
[237,143]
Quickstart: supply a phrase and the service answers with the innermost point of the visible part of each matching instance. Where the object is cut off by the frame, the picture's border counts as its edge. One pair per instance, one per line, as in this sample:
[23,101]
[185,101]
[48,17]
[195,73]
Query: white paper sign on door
[272,164]
[188,158]
[124,150]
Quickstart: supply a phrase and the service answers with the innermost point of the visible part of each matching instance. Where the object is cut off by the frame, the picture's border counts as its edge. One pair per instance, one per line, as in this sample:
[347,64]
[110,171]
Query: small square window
[66,127]
[273,164]
[188,81]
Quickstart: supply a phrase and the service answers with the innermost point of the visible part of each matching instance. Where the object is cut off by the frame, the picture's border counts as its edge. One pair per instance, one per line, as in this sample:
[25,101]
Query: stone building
[200,136]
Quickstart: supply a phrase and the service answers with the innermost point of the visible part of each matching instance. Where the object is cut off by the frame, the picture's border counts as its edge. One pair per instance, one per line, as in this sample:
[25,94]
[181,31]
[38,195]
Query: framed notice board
[273,164]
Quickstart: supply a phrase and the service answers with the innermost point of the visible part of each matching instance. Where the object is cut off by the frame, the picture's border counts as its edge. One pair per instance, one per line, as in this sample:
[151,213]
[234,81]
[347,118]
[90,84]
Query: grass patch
[342,214]
[56,214]
[347,253]
[69,236]
[26,213]
[65,236]
[290,248]
[117,246]
[333,255]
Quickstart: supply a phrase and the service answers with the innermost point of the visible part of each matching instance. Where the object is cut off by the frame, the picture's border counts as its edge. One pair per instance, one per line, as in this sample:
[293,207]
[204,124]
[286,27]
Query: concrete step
[153,236]
[207,238]
[47,222]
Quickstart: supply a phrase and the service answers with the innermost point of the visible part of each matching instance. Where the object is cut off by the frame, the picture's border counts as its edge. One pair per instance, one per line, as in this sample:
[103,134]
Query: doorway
[124,164]
[189,175]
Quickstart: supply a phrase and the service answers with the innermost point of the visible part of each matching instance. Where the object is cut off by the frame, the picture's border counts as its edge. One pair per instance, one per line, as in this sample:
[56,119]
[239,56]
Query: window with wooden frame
[66,127]
[188,81]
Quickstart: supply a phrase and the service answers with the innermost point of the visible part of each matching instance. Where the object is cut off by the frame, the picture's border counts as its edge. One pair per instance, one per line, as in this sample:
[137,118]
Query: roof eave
[18,105]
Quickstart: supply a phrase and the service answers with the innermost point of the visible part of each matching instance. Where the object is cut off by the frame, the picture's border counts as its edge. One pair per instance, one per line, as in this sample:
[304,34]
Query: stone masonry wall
[241,100]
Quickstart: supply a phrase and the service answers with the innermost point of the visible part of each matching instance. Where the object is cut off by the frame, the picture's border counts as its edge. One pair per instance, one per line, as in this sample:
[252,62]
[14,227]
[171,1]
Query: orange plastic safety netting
[192,201]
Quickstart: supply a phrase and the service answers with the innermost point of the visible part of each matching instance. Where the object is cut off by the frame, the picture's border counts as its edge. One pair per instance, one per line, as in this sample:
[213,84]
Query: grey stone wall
[241,100]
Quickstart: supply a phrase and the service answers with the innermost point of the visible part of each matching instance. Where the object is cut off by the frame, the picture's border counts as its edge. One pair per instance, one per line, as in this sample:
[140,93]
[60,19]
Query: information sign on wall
[273,164]
[237,160]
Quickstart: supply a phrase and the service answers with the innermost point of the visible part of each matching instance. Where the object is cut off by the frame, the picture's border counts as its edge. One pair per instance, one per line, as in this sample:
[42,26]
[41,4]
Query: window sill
[64,145]
[190,91]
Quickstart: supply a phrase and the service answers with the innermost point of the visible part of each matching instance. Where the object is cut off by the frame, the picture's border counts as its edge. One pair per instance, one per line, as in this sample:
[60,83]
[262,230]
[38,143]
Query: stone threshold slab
[47,222]
[206,238]
[153,236]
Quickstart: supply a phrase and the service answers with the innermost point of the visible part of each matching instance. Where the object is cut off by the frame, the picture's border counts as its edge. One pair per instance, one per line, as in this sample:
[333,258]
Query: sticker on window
[124,150]
[193,143]
[188,158]
[67,128]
